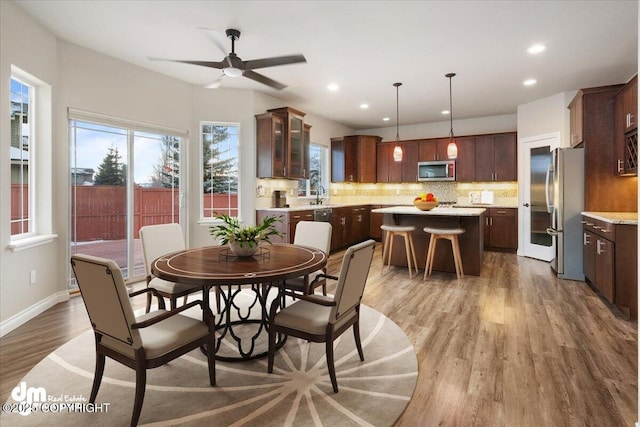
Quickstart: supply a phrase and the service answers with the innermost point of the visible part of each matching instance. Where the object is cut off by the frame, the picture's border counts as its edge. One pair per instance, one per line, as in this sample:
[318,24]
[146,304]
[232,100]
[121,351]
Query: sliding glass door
[122,178]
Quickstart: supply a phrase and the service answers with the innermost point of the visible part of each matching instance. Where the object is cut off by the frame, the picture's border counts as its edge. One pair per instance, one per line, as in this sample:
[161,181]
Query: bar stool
[403,231]
[450,234]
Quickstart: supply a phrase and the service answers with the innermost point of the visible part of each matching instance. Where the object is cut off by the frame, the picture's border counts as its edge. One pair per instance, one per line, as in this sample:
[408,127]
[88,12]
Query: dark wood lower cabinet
[610,254]
[501,229]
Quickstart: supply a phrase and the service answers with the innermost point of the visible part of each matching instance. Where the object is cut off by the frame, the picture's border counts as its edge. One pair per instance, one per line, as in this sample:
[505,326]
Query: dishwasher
[323,214]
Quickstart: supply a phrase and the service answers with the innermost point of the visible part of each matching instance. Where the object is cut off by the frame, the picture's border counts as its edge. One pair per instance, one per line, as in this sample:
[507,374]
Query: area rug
[298,393]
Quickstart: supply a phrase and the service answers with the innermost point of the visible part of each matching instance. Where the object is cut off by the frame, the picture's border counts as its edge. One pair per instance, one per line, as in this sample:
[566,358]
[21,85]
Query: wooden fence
[99,212]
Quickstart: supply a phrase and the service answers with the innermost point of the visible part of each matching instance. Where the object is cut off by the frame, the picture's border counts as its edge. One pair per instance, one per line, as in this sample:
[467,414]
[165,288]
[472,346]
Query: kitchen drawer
[502,212]
[601,228]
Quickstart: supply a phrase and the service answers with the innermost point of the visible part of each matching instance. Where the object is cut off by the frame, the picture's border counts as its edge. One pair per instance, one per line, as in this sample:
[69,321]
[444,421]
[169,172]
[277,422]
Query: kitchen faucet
[319,192]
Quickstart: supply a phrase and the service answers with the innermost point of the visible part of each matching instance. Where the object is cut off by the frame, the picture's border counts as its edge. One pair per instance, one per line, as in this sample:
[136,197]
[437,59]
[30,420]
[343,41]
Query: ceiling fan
[233,66]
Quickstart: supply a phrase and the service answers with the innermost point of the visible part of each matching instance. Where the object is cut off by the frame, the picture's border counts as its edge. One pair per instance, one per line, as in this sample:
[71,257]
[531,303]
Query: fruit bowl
[424,205]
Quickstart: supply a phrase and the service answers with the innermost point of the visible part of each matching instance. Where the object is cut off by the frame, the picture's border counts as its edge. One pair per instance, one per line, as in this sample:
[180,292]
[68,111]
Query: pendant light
[397,150]
[452,148]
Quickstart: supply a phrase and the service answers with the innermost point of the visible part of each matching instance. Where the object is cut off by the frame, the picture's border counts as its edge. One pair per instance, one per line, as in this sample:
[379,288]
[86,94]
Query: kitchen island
[471,242]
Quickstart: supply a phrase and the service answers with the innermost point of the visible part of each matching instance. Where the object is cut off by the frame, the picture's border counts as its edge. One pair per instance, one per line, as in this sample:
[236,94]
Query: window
[124,175]
[318,166]
[219,161]
[22,155]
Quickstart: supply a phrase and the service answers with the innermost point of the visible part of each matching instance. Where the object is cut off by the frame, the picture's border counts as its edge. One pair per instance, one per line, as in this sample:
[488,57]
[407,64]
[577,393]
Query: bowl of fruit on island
[425,202]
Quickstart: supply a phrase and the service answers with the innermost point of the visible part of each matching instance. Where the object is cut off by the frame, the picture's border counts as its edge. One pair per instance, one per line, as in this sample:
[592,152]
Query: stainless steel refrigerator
[565,202]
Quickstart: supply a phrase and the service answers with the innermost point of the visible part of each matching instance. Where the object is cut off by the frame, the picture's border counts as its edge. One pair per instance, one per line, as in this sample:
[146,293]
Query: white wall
[474,126]
[28,46]
[546,116]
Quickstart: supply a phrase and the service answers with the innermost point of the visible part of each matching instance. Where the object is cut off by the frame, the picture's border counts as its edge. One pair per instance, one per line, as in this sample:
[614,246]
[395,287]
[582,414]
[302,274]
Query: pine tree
[111,171]
[167,172]
[220,175]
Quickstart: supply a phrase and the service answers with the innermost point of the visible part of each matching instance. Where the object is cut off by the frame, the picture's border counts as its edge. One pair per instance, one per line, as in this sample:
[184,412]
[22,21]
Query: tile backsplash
[506,193]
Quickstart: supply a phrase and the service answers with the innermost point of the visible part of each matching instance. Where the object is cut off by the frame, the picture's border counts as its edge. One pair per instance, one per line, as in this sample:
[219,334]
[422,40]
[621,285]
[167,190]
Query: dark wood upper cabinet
[626,129]
[604,190]
[409,161]
[282,145]
[433,149]
[387,170]
[496,158]
[466,160]
[353,158]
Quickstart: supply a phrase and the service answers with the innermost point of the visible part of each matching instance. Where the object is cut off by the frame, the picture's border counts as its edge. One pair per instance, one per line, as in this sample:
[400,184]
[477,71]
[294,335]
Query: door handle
[526,205]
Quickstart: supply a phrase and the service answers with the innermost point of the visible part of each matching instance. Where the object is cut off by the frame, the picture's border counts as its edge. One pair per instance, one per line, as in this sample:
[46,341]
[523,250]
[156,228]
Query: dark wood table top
[214,265]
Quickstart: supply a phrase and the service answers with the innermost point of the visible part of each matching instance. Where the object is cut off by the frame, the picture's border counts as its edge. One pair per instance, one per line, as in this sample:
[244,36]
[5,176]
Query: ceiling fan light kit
[452,148]
[397,150]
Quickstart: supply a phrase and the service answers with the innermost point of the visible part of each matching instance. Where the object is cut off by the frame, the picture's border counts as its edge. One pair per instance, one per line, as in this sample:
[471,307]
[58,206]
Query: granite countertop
[437,211]
[485,205]
[346,205]
[630,218]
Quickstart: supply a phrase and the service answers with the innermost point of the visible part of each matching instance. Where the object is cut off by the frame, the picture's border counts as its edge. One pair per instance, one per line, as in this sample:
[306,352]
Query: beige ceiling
[366,46]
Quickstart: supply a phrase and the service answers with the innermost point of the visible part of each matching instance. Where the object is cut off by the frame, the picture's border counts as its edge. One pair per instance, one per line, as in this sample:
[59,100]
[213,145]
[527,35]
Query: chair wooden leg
[390,249]
[385,248]
[413,253]
[172,302]
[148,308]
[141,383]
[408,250]
[429,260]
[330,365]
[356,335]
[97,377]
[457,258]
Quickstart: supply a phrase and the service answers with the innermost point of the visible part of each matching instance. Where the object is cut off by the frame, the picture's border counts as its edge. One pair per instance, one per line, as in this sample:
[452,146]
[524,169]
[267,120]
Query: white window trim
[41,165]
[211,221]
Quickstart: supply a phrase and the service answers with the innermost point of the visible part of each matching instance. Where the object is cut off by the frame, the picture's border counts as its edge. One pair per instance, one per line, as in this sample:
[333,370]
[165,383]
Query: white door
[535,217]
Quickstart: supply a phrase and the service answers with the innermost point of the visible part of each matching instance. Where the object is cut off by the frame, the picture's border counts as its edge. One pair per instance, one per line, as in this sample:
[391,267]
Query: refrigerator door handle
[552,231]
[548,189]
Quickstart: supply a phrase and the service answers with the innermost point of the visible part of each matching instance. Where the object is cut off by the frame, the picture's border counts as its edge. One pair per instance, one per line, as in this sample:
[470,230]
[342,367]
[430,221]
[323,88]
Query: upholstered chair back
[352,279]
[158,240]
[314,234]
[106,298]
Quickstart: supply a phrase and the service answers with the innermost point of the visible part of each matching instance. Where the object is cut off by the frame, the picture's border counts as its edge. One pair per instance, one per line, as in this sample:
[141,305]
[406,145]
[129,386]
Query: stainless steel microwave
[441,170]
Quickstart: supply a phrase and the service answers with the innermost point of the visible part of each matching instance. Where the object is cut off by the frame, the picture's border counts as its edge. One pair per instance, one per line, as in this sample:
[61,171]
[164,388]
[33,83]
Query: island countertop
[437,211]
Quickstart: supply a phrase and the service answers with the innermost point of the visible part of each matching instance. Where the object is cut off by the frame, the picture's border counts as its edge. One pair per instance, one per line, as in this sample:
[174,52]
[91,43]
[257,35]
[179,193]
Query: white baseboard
[30,312]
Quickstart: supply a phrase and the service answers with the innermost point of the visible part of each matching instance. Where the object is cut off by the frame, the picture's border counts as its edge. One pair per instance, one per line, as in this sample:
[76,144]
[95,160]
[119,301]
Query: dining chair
[319,318]
[158,240]
[316,235]
[140,343]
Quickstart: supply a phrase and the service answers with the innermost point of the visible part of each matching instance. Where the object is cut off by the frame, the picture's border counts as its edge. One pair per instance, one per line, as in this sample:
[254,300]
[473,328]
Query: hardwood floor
[513,347]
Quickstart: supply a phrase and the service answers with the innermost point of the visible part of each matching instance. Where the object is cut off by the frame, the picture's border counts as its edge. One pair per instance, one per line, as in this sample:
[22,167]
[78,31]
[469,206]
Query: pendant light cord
[397,85]
[450,75]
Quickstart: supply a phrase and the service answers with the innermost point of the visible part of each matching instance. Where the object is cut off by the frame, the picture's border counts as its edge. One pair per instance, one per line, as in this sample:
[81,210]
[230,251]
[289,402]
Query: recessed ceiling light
[385,119]
[333,87]
[446,112]
[536,48]
[364,106]
[530,82]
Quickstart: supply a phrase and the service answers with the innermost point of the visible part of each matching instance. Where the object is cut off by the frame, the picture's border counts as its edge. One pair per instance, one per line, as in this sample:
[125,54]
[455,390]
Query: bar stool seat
[450,234]
[387,249]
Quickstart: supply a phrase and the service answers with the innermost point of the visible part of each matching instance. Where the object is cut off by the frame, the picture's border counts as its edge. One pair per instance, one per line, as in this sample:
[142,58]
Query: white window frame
[326,171]
[40,164]
[210,220]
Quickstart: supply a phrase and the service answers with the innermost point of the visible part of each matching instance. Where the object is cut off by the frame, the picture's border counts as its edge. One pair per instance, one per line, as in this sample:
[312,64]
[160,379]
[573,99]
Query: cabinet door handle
[304,173]
[621,165]
[502,212]
[585,239]
[284,171]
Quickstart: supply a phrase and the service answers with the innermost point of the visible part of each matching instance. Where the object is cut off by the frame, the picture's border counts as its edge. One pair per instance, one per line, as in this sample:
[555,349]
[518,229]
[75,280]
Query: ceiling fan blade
[271,62]
[211,64]
[216,83]
[213,36]
[263,79]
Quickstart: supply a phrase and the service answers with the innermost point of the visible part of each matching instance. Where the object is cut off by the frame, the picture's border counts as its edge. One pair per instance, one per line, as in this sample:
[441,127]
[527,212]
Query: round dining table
[237,277]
